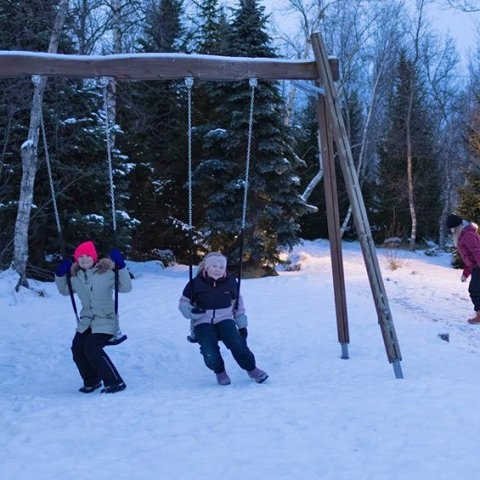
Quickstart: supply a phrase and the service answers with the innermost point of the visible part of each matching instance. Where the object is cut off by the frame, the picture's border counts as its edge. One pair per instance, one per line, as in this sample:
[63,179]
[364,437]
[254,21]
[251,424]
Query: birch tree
[29,155]
[408,125]
[379,55]
[447,99]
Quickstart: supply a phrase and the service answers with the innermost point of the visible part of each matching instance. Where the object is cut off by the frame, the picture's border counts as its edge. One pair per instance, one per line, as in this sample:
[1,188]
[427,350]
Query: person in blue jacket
[209,302]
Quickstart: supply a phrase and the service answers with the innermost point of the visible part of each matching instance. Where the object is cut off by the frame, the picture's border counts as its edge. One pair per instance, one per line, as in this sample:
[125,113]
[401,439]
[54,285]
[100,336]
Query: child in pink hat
[93,281]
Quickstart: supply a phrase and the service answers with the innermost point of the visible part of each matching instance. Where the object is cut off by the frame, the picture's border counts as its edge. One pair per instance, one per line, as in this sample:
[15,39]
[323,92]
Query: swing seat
[117,339]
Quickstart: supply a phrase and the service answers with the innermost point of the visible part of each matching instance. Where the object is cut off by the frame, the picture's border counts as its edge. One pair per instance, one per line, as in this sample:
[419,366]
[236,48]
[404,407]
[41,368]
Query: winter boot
[258,375]
[223,378]
[114,388]
[476,319]
[192,338]
[90,388]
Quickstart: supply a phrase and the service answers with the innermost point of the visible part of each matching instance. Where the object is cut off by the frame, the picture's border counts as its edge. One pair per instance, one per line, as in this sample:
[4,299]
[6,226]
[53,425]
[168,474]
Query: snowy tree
[274,203]
[154,114]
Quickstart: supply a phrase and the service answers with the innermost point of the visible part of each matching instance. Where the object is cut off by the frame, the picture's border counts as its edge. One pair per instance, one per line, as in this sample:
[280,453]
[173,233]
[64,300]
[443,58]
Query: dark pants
[209,335]
[91,360]
[474,288]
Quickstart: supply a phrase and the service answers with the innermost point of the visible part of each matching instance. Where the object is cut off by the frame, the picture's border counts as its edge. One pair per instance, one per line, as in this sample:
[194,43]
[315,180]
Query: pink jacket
[469,248]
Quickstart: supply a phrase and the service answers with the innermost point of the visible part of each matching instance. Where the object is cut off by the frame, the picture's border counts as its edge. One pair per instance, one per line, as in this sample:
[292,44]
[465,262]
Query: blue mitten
[118,258]
[241,320]
[63,267]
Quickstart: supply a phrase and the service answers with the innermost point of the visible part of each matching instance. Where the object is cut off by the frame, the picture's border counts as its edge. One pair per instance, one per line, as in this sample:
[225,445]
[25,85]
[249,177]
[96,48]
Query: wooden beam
[157,66]
[333,220]
[358,206]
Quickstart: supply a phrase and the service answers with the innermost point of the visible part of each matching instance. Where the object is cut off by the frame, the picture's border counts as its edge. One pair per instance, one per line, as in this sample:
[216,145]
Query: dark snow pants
[209,334]
[92,361]
[474,288]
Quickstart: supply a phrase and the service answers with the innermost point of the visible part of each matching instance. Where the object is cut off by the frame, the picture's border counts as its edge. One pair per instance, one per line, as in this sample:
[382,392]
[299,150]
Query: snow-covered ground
[317,417]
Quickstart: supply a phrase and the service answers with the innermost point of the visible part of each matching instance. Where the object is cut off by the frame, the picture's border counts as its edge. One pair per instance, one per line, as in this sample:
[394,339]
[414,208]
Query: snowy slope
[317,417]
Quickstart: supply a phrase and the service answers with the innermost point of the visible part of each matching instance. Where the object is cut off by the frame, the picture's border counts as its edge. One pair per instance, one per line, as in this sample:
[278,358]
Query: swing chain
[49,170]
[253,83]
[189,85]
[108,139]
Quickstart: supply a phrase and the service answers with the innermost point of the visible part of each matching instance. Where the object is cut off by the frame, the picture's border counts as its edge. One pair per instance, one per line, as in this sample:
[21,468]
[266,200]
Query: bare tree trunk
[290,107]
[318,177]
[82,20]
[411,198]
[408,126]
[446,205]
[29,156]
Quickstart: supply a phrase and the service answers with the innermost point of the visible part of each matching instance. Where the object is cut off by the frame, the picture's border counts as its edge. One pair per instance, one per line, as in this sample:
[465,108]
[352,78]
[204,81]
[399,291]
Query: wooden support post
[358,207]
[333,219]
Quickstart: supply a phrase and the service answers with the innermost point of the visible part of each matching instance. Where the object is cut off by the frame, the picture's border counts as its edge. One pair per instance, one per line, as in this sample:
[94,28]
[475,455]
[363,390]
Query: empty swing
[118,337]
[189,84]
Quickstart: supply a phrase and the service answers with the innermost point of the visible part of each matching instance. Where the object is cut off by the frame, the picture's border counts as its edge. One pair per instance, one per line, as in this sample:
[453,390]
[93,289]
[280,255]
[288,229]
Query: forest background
[410,104]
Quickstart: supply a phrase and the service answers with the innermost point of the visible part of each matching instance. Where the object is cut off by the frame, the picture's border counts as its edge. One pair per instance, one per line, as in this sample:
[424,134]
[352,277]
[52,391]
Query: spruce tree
[213,27]
[73,119]
[75,132]
[24,25]
[469,197]
[469,206]
[274,203]
[469,193]
[211,39]
[154,115]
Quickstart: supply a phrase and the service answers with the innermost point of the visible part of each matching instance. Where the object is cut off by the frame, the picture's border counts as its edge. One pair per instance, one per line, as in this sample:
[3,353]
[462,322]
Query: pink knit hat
[86,248]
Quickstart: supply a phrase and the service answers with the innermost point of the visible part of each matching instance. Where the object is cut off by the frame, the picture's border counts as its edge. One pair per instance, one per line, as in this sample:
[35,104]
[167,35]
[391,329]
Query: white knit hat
[213,257]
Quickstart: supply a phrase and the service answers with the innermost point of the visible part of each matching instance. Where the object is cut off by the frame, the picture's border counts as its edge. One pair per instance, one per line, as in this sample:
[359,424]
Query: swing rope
[118,337]
[57,216]
[108,140]
[189,83]
[253,83]
[50,180]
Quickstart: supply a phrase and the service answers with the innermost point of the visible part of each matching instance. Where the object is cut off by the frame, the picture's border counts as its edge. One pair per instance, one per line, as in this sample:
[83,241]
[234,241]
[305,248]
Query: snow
[27,144]
[316,417]
[123,214]
[94,217]
[7,54]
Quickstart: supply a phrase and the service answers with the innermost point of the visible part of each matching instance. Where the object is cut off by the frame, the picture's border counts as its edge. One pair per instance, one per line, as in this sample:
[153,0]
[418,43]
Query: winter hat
[454,220]
[213,257]
[86,248]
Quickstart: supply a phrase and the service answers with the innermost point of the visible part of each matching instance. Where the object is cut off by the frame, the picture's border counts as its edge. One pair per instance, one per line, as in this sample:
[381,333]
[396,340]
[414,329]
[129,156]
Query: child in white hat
[212,303]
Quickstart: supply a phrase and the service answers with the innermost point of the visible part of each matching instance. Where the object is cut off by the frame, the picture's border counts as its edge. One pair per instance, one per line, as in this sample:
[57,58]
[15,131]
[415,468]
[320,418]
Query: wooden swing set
[323,71]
